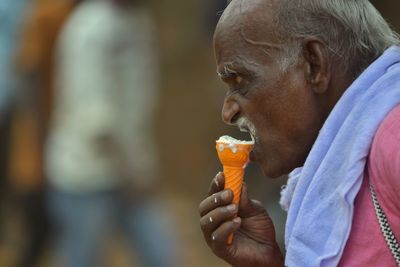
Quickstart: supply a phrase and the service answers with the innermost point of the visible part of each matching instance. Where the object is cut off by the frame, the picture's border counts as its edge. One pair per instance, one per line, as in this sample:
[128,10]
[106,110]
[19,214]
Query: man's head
[286,63]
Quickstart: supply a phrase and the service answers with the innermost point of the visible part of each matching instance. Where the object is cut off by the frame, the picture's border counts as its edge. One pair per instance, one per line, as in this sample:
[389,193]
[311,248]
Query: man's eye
[239,85]
[233,79]
[238,79]
[236,82]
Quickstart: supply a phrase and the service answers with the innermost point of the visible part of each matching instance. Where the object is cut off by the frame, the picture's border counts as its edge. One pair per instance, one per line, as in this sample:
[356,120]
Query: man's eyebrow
[244,67]
[226,71]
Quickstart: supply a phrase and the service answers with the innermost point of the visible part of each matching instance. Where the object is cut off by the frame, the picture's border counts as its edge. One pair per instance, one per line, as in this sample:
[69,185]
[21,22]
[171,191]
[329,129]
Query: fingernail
[216,182]
[215,200]
[225,195]
[237,220]
[231,207]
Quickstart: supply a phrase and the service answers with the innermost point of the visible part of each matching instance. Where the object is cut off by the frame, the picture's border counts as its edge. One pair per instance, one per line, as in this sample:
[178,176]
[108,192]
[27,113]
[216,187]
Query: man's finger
[217,184]
[219,238]
[222,198]
[212,220]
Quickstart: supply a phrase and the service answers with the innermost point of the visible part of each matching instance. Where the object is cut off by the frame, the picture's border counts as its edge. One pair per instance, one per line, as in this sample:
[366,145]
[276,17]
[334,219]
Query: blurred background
[109,110]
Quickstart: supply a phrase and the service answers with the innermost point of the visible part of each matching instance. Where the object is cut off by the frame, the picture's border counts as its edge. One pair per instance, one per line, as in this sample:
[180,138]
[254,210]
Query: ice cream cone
[234,156]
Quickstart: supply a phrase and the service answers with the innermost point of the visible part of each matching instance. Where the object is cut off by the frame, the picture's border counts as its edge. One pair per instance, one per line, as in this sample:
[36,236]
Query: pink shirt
[366,245]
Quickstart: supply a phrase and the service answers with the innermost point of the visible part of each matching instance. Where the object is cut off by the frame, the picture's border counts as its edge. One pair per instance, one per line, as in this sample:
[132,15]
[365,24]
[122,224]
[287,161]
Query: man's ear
[317,65]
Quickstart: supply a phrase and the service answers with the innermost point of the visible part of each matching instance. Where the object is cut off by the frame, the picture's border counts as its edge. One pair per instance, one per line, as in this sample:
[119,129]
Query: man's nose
[230,111]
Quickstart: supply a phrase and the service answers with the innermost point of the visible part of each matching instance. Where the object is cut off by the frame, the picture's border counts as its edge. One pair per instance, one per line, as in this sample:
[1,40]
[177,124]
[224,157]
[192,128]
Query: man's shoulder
[389,129]
[384,163]
[385,152]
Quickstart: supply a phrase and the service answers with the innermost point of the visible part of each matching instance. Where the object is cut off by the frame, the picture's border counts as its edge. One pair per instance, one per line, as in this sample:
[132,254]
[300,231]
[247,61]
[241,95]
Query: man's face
[280,106]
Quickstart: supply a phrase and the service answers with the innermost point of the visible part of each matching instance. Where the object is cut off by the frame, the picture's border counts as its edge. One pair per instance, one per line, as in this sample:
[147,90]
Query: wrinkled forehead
[252,18]
[246,25]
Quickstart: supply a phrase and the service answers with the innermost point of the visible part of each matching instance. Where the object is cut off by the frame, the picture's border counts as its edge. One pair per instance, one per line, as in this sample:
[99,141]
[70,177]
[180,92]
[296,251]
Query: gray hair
[352,30]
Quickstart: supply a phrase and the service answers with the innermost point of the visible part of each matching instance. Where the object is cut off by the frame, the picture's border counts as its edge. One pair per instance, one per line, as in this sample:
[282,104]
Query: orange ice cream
[234,156]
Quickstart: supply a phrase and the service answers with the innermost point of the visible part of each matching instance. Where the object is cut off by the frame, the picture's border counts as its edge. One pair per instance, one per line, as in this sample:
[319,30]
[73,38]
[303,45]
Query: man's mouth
[245,126]
[252,135]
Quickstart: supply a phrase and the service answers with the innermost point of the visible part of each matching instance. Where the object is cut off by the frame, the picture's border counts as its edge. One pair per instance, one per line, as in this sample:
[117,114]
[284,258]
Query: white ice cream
[231,142]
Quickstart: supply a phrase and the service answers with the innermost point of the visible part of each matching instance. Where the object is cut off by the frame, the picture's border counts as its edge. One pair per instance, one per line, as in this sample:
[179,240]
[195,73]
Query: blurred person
[317,85]
[101,153]
[34,71]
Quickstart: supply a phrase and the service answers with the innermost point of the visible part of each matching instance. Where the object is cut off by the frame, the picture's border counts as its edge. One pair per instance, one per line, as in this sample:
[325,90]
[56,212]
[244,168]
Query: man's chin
[273,173]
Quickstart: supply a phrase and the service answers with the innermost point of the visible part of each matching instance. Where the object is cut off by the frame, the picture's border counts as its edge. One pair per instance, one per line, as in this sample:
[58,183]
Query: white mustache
[246,125]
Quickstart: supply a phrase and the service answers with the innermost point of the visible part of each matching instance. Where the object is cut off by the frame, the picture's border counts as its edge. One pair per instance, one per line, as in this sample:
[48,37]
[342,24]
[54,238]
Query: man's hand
[254,243]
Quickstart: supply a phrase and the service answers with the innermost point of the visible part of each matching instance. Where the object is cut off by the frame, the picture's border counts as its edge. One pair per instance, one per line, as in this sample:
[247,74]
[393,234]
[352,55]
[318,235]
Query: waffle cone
[234,181]
[233,159]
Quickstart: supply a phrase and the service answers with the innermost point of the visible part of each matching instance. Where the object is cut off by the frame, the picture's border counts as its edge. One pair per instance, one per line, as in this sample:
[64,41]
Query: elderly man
[317,84]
